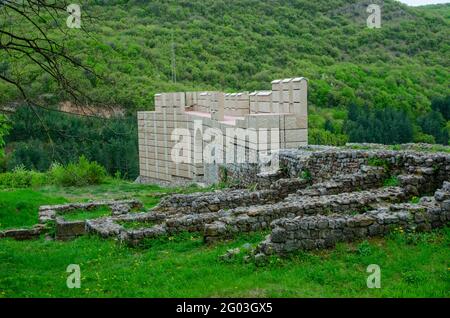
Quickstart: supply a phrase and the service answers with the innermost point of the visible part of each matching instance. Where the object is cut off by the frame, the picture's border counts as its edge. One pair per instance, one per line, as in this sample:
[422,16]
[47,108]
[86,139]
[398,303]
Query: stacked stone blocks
[251,122]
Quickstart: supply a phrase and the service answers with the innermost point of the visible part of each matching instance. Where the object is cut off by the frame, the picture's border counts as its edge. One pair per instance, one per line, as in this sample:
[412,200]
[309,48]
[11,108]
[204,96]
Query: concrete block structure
[246,124]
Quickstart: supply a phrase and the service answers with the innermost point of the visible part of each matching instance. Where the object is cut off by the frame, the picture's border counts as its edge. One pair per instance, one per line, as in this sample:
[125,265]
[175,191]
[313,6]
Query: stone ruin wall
[346,200]
[316,232]
[323,163]
[350,192]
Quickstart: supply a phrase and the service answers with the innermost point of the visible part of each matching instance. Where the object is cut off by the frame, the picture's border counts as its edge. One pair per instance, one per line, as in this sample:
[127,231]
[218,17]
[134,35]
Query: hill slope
[243,45]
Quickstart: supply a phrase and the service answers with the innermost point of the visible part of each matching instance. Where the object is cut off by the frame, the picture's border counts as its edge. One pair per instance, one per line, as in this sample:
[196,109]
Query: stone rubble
[24,234]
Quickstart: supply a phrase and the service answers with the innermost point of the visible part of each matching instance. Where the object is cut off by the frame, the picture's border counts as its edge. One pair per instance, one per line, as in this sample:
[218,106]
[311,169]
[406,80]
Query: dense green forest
[382,85]
[63,138]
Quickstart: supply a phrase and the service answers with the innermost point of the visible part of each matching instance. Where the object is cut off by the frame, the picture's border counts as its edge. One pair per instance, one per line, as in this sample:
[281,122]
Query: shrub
[305,174]
[81,173]
[22,178]
[74,174]
[424,138]
[378,162]
[318,136]
[414,200]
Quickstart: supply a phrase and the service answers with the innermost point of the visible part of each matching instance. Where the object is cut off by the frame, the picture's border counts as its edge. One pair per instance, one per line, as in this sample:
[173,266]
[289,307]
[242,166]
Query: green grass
[412,265]
[392,181]
[414,200]
[114,189]
[79,215]
[19,208]
[182,266]
[134,225]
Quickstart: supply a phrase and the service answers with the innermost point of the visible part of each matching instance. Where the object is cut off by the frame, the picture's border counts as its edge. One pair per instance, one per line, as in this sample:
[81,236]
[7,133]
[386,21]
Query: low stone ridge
[112,226]
[228,199]
[259,217]
[319,231]
[367,178]
[24,234]
[66,230]
[225,223]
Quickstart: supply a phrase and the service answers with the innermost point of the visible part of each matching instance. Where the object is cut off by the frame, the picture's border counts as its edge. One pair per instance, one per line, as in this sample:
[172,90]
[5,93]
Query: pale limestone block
[296,135]
[298,83]
[295,144]
[264,107]
[284,108]
[300,109]
[276,108]
[276,85]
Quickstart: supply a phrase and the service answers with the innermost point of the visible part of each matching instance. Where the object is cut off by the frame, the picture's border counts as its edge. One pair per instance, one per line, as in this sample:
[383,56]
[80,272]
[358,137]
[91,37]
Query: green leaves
[4,128]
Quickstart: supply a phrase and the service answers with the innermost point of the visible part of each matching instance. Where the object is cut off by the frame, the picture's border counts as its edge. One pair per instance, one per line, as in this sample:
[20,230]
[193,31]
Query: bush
[424,138]
[22,178]
[74,174]
[324,137]
[81,173]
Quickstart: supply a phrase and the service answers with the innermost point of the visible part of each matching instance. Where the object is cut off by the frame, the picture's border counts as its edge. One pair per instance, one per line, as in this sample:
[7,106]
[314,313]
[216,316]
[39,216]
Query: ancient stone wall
[319,231]
[323,163]
[228,199]
[259,217]
[350,191]
[66,230]
[24,234]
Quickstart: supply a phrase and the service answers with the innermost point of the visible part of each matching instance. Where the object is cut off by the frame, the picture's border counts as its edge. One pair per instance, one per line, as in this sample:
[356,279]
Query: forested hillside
[393,73]
[243,45]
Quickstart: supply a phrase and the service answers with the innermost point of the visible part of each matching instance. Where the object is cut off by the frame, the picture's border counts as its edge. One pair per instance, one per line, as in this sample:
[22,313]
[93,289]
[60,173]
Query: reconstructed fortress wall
[239,116]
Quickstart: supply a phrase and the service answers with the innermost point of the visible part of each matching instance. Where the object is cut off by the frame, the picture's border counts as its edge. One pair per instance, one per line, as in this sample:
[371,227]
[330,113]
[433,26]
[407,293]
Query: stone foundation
[24,234]
[319,231]
[323,163]
[259,217]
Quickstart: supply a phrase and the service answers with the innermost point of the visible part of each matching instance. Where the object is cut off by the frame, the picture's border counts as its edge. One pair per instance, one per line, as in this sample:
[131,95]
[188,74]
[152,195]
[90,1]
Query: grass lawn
[81,215]
[19,208]
[134,225]
[412,265]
